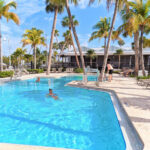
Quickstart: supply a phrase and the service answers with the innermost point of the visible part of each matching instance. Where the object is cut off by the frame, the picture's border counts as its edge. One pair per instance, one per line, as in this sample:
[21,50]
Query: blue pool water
[82,119]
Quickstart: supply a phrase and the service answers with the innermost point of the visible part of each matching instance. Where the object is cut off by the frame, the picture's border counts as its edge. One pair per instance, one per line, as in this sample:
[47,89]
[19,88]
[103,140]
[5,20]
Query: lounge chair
[69,70]
[54,70]
[127,72]
[59,70]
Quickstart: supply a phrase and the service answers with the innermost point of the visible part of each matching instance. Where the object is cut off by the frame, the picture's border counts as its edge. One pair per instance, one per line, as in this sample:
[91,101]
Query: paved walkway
[136,101]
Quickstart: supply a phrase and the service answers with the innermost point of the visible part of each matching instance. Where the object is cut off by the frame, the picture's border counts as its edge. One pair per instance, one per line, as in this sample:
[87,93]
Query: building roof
[112,50]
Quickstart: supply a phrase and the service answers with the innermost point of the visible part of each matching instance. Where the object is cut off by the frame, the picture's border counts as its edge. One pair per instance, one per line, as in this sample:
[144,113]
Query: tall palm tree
[91,54]
[102,30]
[4,12]
[118,5]
[33,37]
[119,52]
[66,23]
[139,12]
[128,29]
[74,32]
[56,7]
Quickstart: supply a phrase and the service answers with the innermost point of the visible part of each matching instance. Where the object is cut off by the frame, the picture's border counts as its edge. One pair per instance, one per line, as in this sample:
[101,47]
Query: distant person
[110,70]
[52,94]
[38,79]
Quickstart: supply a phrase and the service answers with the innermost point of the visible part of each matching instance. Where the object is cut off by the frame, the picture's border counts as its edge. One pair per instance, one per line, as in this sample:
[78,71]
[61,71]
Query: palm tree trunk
[74,48]
[75,35]
[141,52]
[34,57]
[109,40]
[51,41]
[91,62]
[105,42]
[136,50]
[1,57]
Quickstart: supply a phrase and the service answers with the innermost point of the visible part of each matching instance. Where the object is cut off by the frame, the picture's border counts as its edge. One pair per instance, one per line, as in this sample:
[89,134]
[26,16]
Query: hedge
[78,70]
[143,77]
[34,71]
[4,74]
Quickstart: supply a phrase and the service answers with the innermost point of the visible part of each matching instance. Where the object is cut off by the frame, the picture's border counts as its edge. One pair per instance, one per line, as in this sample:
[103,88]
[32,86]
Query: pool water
[81,119]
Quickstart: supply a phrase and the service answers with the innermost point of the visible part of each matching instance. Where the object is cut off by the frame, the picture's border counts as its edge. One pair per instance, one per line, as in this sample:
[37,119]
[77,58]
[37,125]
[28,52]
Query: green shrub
[4,74]
[78,70]
[143,77]
[34,71]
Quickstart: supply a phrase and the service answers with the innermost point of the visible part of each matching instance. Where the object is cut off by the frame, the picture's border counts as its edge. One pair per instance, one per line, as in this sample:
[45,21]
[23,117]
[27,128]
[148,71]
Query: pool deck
[135,99]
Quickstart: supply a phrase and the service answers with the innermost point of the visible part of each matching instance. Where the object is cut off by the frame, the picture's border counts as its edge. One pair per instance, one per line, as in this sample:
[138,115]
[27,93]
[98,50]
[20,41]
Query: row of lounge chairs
[68,70]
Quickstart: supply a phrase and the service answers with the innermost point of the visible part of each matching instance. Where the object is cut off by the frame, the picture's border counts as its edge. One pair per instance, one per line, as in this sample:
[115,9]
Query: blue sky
[32,14]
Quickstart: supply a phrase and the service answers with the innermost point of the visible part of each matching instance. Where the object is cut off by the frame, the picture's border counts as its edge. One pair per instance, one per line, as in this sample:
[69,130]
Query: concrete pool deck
[135,99]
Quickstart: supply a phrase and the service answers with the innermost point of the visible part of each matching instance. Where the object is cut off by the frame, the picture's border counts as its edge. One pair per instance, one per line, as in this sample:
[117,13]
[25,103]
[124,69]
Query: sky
[32,14]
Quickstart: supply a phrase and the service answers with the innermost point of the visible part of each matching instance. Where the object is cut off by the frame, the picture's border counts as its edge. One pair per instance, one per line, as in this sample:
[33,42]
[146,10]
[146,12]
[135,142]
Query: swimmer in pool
[52,94]
[38,79]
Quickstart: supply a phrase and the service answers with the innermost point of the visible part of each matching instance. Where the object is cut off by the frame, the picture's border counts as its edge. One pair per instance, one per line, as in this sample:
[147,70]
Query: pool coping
[132,138]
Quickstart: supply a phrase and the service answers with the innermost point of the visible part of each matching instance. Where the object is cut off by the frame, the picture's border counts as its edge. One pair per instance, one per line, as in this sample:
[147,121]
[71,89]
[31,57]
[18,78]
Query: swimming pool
[82,119]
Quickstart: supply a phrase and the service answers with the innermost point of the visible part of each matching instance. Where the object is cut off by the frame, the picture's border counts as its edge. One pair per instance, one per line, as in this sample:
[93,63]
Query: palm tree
[102,30]
[121,43]
[119,52]
[74,32]
[56,7]
[19,55]
[34,38]
[4,12]
[56,34]
[54,55]
[28,58]
[91,54]
[67,40]
[128,29]
[66,23]
[118,5]
[139,17]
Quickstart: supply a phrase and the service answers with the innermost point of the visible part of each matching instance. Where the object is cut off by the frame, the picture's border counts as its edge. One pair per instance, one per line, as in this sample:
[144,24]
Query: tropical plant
[67,41]
[128,29]
[33,37]
[56,7]
[121,43]
[139,17]
[91,54]
[4,12]
[28,58]
[102,30]
[118,6]
[119,52]
[19,55]
[66,23]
